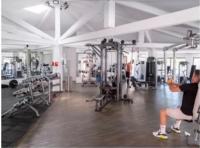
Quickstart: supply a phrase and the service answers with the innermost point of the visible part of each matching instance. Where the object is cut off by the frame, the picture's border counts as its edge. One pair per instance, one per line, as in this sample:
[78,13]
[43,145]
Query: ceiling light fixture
[53,3]
[37,9]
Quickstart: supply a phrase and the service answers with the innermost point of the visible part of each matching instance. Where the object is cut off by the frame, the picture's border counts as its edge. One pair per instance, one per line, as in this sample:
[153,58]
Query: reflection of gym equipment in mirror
[12,68]
[182,72]
[13,71]
[88,68]
[17,68]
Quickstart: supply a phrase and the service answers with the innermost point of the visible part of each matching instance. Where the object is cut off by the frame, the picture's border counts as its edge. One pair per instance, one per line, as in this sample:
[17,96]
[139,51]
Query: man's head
[132,61]
[196,76]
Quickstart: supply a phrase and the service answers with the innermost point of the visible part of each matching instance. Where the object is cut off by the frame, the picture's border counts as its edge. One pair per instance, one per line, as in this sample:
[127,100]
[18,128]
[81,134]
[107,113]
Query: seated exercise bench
[194,139]
[108,94]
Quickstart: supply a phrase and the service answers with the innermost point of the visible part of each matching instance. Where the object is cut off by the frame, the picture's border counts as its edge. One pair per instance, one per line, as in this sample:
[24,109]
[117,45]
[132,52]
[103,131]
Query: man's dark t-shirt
[189,95]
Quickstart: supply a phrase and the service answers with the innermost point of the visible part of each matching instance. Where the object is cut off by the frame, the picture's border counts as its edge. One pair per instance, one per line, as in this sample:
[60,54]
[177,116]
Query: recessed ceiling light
[37,9]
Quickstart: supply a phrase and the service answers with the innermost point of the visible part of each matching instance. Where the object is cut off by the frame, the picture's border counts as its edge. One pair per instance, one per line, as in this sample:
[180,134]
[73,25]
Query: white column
[174,64]
[165,64]
[141,37]
[109,14]
[58,49]
[57,22]
[58,57]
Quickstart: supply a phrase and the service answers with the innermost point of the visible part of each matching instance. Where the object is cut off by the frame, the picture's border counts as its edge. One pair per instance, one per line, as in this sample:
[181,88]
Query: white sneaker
[160,135]
[176,130]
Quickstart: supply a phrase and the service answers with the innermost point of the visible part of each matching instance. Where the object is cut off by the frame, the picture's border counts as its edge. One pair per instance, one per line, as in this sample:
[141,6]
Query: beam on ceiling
[16,30]
[82,21]
[41,47]
[22,34]
[12,47]
[75,17]
[174,18]
[22,47]
[149,9]
[14,42]
[26,25]
[170,33]
[109,14]
[44,17]
[153,45]
[10,36]
[143,7]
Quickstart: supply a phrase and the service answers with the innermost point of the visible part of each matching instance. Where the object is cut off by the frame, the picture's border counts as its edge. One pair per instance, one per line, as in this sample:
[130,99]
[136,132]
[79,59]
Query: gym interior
[99,73]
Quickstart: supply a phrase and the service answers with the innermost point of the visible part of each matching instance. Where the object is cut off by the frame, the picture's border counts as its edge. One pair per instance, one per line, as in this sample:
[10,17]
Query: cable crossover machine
[111,87]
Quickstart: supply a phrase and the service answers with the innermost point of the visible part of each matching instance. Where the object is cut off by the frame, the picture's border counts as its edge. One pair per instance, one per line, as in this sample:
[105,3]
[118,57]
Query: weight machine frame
[111,46]
[192,40]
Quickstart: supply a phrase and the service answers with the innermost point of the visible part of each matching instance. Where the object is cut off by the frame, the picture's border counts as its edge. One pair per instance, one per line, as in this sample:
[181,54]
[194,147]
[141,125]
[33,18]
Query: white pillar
[165,64]
[151,52]
[28,62]
[57,23]
[174,64]
[59,59]
[141,36]
[58,49]
[109,14]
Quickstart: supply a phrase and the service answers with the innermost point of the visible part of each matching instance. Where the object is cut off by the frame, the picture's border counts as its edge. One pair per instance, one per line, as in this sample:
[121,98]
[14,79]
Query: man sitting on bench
[185,112]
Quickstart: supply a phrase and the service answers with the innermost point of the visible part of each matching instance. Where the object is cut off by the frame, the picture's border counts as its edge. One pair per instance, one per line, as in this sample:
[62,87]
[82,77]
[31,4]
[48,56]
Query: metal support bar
[106,57]
[165,66]
[118,72]
[28,61]
[34,110]
[174,64]
[102,72]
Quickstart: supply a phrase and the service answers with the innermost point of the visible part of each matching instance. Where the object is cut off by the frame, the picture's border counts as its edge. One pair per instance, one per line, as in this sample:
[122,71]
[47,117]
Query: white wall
[70,55]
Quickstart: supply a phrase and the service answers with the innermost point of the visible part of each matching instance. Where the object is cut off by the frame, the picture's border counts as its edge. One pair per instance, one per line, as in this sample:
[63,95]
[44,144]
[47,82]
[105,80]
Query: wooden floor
[72,122]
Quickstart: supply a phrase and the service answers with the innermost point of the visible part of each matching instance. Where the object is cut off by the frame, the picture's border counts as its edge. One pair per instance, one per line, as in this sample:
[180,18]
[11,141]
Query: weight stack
[151,71]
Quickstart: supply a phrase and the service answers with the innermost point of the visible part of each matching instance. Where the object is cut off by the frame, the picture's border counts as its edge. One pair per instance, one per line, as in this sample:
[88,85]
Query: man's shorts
[127,74]
[176,113]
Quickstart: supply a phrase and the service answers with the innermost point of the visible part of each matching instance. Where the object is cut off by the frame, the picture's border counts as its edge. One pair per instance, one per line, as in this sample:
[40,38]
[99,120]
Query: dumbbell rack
[36,90]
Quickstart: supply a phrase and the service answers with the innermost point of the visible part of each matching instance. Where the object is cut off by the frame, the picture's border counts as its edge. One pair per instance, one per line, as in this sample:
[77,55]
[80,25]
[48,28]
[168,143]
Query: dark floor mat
[14,128]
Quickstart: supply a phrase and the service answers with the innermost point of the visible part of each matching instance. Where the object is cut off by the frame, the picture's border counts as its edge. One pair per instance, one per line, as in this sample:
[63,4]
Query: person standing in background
[129,68]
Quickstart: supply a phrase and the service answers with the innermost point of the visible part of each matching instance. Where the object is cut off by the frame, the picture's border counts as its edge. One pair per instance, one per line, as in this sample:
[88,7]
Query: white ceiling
[77,8]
